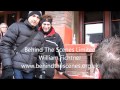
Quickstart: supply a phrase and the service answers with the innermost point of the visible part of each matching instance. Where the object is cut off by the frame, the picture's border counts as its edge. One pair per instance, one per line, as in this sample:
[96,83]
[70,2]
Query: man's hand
[7,73]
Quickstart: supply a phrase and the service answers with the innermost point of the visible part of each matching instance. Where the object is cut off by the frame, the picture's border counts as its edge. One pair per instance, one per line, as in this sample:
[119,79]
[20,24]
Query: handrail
[80,47]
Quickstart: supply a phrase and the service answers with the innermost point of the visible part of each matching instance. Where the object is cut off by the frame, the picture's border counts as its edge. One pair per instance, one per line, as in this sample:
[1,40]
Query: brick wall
[77,63]
[61,17]
[62,22]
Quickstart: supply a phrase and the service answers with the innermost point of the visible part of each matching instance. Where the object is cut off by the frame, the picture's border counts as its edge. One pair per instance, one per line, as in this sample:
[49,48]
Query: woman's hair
[47,18]
[3,24]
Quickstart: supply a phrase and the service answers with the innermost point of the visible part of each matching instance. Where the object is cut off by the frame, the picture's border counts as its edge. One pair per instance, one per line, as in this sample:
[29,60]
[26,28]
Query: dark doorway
[1,18]
[11,18]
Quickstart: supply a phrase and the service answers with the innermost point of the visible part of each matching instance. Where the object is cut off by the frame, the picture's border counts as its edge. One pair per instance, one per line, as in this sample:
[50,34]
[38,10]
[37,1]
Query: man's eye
[38,17]
[33,15]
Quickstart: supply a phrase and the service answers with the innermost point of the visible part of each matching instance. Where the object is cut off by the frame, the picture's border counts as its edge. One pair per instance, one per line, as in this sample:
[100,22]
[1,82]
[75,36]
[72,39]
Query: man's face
[34,20]
[46,26]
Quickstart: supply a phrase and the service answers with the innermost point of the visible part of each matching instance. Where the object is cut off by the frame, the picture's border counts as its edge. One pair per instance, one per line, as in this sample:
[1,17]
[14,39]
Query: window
[94,33]
[93,23]
[115,16]
[93,16]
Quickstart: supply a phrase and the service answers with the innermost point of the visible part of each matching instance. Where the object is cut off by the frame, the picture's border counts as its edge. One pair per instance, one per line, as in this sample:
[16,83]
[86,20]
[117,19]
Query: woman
[53,47]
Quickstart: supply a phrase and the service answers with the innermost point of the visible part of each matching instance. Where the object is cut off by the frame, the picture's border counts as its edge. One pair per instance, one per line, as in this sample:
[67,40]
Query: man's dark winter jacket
[27,57]
[53,48]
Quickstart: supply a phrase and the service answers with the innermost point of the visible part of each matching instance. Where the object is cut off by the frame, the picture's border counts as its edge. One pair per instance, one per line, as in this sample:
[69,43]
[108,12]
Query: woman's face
[46,26]
[4,28]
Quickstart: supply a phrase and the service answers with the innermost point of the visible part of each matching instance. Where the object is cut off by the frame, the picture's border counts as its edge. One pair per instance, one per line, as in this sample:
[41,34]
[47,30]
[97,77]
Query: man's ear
[96,74]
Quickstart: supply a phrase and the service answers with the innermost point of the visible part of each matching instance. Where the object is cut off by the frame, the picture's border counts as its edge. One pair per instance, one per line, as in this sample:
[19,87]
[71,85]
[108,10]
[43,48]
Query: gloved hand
[36,73]
[39,74]
[42,75]
[7,73]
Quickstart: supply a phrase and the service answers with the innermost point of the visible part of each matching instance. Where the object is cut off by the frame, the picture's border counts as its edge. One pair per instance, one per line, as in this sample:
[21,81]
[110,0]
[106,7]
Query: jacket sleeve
[6,44]
[61,55]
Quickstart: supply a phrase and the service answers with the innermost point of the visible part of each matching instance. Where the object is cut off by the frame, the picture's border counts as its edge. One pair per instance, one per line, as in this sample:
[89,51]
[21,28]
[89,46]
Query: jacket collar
[51,33]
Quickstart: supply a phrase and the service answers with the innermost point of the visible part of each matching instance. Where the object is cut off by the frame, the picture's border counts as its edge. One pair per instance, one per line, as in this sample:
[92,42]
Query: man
[53,47]
[107,59]
[21,64]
